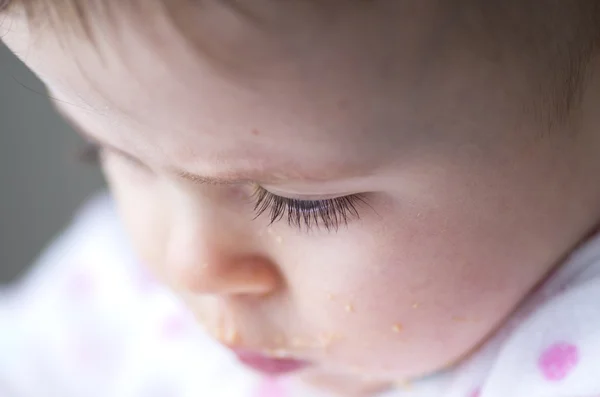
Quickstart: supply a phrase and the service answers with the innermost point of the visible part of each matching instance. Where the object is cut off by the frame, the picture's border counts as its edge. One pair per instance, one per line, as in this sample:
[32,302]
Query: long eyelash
[329,214]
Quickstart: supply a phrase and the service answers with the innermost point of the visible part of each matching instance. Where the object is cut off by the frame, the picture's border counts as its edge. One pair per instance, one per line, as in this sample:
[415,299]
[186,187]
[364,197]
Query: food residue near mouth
[326,339]
[279,353]
[397,328]
[231,336]
[460,319]
[298,342]
[349,308]
[404,384]
[279,340]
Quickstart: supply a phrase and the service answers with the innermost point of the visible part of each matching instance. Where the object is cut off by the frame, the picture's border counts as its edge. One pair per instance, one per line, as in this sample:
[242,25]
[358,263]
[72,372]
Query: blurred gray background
[41,180]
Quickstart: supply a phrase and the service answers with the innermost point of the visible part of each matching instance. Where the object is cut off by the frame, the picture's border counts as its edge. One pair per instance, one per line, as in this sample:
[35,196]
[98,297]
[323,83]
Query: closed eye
[328,213]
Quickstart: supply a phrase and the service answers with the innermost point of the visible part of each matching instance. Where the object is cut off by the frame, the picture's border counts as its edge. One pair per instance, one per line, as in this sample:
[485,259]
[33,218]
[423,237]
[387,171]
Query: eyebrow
[227,178]
[232,179]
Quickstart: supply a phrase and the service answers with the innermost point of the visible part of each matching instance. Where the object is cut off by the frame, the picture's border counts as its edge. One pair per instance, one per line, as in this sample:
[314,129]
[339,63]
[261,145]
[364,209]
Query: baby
[353,198]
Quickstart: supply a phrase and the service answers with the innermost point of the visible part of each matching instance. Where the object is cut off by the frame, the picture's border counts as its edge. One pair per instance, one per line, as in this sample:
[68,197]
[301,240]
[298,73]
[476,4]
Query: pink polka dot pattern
[79,285]
[175,325]
[475,393]
[91,355]
[558,360]
[270,388]
[145,281]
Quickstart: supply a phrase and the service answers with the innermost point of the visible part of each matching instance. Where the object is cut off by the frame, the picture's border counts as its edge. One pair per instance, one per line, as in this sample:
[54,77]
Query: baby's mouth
[275,358]
[268,361]
[269,365]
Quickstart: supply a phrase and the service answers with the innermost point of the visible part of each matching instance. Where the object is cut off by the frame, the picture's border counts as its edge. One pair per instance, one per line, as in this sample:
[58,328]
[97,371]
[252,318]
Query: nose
[219,265]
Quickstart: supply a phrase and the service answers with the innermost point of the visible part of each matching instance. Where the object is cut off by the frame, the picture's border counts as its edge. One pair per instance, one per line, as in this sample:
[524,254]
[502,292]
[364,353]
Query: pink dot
[146,281]
[90,353]
[558,361]
[79,285]
[270,388]
[475,393]
[175,325]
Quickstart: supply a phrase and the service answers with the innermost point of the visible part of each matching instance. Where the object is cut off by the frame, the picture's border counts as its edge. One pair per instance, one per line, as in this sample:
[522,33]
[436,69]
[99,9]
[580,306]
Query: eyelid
[304,197]
[330,213]
[327,213]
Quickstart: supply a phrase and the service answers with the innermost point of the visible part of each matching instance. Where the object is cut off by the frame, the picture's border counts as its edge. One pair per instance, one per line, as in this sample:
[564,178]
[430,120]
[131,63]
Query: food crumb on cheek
[415,305]
[279,340]
[298,342]
[217,332]
[460,319]
[279,353]
[327,339]
[349,308]
[331,297]
[397,328]
[404,384]
[279,239]
[231,336]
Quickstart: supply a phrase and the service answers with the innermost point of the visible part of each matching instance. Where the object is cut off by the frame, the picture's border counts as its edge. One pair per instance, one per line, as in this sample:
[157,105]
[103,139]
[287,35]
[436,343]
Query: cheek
[407,300]
[143,213]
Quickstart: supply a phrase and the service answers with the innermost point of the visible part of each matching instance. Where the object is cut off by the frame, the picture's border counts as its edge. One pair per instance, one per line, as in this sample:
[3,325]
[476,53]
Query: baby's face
[425,200]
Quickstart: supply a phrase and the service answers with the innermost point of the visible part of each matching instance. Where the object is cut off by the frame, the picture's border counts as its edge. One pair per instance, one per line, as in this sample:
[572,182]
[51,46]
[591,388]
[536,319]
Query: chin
[346,385]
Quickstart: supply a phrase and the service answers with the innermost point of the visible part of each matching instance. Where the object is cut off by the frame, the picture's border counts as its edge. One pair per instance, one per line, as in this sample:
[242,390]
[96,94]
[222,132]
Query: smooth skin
[470,201]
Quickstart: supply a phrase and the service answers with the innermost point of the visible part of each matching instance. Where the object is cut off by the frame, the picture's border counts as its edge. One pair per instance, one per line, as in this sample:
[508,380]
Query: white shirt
[89,321]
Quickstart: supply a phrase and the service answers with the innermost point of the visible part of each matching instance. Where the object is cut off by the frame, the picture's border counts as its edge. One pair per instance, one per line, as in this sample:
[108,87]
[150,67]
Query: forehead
[304,82]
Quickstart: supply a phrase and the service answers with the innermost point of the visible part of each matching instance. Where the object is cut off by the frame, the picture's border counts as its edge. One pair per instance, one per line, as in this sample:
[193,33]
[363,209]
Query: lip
[269,365]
